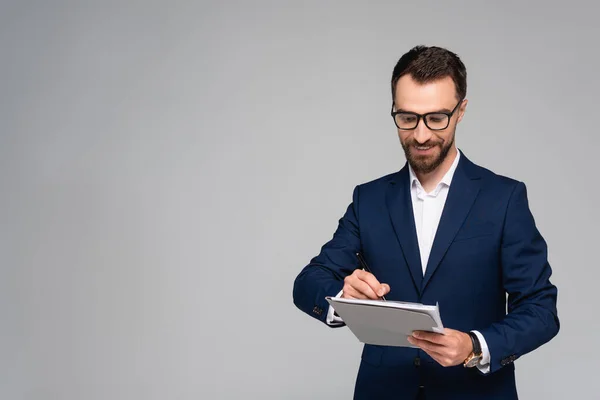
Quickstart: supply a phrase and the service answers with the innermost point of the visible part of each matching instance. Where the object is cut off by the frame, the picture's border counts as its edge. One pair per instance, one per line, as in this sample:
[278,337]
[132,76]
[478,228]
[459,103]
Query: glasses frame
[424,117]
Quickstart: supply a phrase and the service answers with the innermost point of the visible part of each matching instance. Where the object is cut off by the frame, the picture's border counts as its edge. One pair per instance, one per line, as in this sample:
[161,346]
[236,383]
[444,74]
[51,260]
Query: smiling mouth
[422,148]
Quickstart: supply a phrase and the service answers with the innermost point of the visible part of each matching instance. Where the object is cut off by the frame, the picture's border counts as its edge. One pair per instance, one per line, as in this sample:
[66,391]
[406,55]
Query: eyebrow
[441,110]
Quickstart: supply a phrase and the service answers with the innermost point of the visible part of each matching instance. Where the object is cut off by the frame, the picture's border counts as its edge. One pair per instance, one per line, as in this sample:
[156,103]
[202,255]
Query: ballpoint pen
[366,267]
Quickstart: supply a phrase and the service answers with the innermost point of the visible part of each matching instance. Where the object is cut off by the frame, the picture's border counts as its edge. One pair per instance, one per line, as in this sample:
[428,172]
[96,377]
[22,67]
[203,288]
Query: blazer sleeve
[532,317]
[324,275]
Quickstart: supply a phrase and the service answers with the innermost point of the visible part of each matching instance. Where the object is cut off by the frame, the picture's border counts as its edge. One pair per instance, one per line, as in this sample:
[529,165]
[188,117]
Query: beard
[426,164]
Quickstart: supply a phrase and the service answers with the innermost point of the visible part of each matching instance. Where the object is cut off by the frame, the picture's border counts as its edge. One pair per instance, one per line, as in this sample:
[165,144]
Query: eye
[437,118]
[407,118]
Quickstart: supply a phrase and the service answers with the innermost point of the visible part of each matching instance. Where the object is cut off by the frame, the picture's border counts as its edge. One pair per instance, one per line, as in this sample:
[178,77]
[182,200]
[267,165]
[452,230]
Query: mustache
[413,142]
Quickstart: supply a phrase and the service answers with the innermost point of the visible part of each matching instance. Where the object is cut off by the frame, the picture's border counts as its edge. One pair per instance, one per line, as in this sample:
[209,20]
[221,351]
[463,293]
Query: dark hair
[427,64]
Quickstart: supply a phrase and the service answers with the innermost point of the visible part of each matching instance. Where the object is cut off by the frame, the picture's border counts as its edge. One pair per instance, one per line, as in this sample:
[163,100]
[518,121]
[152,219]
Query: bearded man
[441,230]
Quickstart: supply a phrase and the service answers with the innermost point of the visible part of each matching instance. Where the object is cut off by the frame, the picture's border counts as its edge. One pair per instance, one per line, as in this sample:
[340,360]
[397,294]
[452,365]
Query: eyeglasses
[436,121]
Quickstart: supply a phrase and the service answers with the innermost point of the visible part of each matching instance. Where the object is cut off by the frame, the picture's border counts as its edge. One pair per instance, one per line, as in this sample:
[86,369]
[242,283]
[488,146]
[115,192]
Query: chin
[425,163]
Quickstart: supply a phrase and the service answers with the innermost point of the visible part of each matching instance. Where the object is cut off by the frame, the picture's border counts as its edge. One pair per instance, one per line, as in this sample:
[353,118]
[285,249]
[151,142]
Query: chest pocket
[472,231]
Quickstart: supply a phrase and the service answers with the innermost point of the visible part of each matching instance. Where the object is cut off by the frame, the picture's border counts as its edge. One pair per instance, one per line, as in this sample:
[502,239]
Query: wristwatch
[476,355]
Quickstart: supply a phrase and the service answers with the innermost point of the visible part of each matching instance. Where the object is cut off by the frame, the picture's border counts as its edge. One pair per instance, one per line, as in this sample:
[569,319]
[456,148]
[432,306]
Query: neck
[430,180]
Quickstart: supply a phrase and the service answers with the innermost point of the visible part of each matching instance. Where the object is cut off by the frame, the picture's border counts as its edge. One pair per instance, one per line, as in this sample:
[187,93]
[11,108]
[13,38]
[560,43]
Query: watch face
[473,361]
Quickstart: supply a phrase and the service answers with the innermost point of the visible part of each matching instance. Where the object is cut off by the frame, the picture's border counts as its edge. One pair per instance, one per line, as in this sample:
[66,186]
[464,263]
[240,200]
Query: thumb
[384,289]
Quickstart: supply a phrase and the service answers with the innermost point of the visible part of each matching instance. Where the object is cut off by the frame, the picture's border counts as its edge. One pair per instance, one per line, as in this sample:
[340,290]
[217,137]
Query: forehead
[425,97]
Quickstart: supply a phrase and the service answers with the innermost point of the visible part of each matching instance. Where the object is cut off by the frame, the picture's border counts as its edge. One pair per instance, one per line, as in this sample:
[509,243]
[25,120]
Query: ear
[461,110]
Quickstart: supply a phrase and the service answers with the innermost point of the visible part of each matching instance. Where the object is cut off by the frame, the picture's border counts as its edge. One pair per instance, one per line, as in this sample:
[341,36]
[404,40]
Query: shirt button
[417,362]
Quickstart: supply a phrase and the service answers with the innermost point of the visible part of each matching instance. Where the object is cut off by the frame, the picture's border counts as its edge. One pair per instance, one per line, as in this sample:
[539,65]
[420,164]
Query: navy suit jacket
[486,246]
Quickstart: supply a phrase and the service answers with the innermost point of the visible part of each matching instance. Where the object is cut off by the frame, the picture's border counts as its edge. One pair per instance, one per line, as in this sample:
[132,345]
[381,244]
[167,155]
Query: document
[386,323]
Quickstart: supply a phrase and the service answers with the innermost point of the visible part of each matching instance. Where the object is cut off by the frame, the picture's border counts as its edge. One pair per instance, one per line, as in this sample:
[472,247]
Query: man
[444,230]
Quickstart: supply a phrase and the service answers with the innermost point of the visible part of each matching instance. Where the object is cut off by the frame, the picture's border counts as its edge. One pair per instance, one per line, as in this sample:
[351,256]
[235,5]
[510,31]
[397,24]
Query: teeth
[423,148]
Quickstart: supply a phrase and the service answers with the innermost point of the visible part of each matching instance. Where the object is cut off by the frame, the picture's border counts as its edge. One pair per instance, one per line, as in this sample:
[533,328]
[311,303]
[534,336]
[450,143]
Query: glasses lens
[406,120]
[437,121]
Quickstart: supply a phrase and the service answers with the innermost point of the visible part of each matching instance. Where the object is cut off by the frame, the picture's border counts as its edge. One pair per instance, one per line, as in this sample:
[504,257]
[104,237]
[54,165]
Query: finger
[444,355]
[350,293]
[427,346]
[439,358]
[373,283]
[361,286]
[438,353]
[432,337]
[386,288]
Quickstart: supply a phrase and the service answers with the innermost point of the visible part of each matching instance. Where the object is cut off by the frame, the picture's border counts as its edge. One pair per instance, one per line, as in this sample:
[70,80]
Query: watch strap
[476,344]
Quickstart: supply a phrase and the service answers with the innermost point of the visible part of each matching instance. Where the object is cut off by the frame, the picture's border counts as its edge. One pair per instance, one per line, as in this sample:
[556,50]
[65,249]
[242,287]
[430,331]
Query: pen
[365,267]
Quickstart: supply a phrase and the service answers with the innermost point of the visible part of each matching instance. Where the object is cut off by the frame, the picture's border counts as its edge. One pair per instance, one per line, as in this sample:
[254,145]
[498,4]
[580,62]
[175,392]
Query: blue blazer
[487,246]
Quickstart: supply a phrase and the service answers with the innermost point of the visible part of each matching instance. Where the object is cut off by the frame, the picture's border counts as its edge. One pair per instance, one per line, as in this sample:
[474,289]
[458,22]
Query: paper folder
[386,323]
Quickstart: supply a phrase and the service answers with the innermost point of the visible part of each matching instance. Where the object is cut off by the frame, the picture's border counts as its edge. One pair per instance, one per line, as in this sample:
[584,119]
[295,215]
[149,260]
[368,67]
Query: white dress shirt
[428,209]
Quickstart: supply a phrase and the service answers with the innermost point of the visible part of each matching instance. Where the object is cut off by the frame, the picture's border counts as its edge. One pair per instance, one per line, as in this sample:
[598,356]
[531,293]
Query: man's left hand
[449,349]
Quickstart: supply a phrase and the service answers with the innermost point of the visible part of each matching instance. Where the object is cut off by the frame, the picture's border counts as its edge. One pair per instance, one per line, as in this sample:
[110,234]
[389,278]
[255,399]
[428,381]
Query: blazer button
[317,310]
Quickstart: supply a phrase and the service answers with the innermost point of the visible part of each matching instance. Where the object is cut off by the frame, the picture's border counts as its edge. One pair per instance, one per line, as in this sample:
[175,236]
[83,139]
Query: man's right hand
[363,285]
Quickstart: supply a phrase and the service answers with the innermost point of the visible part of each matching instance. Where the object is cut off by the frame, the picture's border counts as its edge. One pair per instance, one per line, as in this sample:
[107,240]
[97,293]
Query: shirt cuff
[332,318]
[484,363]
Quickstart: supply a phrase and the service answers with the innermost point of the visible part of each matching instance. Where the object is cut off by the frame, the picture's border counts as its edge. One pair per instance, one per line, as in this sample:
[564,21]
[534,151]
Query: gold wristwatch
[476,355]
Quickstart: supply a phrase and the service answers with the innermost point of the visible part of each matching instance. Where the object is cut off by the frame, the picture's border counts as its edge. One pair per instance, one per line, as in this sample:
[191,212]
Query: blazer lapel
[399,206]
[461,196]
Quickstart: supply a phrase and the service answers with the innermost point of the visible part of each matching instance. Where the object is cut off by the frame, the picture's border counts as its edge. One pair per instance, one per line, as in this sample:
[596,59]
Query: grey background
[167,169]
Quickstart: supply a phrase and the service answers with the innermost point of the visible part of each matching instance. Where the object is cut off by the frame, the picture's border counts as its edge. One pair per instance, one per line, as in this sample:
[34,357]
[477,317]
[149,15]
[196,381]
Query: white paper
[386,323]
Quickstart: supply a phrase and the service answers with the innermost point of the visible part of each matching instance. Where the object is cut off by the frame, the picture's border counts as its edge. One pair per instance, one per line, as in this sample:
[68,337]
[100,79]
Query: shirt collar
[446,179]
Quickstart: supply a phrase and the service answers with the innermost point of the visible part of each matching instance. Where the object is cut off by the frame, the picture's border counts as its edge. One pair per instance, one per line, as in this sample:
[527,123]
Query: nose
[422,133]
